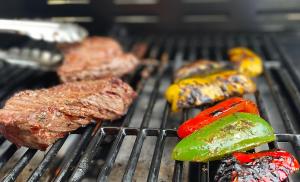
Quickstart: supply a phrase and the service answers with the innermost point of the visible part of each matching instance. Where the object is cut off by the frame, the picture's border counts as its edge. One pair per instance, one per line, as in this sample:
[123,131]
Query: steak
[37,118]
[104,45]
[94,58]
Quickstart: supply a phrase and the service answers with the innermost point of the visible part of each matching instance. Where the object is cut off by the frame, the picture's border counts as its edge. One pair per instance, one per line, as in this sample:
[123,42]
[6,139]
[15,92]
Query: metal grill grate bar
[82,166]
[106,169]
[136,150]
[64,170]
[111,157]
[7,154]
[286,59]
[278,98]
[159,147]
[39,171]
[17,169]
[85,160]
[290,86]
[2,139]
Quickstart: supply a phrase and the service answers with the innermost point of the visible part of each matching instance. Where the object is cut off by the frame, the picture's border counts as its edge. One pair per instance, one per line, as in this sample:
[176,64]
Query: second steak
[94,58]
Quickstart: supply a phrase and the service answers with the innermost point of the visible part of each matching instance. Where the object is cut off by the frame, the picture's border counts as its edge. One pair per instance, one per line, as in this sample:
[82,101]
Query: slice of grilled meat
[94,58]
[192,92]
[37,118]
[78,67]
[106,46]
[201,68]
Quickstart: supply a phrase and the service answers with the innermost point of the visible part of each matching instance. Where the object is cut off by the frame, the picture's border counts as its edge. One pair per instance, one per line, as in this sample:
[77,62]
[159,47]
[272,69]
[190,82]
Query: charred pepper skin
[225,108]
[266,166]
[201,68]
[194,92]
[246,61]
[236,132]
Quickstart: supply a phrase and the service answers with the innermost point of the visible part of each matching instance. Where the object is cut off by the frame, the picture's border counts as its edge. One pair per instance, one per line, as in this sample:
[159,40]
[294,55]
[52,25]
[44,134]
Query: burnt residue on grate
[138,146]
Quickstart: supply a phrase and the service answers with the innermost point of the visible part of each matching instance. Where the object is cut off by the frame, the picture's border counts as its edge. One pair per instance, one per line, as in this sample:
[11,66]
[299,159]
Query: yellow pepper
[247,61]
[203,90]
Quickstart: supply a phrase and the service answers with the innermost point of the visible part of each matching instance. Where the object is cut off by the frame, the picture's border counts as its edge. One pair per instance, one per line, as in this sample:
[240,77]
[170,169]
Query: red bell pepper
[216,112]
[245,157]
[262,166]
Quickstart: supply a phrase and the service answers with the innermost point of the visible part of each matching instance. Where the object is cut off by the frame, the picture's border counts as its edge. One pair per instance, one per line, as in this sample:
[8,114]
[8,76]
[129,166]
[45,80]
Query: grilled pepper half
[236,132]
[247,62]
[201,68]
[193,92]
[268,166]
[225,108]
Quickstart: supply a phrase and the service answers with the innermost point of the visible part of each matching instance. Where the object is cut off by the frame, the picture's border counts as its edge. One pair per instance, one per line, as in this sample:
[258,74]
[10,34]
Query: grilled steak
[90,67]
[95,58]
[104,45]
[37,118]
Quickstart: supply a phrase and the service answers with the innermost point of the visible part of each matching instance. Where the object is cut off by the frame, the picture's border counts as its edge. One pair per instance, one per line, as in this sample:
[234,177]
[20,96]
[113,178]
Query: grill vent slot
[205,18]
[203,1]
[72,19]
[136,19]
[62,2]
[128,2]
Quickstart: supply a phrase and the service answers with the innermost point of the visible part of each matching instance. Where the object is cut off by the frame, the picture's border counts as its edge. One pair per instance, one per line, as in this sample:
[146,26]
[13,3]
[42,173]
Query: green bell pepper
[236,132]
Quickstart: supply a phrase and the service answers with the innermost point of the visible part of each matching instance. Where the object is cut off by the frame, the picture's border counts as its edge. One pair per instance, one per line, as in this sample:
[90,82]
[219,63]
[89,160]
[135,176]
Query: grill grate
[150,117]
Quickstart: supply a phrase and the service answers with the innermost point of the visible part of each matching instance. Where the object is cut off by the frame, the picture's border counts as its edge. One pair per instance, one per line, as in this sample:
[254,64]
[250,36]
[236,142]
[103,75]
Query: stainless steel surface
[45,30]
[32,57]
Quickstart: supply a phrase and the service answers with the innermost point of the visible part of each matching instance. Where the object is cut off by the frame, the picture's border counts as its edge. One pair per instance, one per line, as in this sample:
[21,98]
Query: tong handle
[45,30]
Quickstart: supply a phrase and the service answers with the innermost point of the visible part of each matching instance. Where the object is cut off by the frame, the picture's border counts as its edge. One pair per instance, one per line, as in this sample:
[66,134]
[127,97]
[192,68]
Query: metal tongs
[45,30]
[39,30]
[32,57]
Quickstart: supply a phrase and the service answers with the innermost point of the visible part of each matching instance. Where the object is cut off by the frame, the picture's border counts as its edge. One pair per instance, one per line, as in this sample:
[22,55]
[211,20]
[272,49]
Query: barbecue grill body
[138,146]
[164,15]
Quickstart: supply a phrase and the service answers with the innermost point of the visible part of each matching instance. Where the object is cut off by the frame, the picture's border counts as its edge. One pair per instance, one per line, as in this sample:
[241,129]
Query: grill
[138,146]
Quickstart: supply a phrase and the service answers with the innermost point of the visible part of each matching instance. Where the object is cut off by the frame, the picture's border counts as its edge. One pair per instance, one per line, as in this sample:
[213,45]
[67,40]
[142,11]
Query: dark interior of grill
[138,146]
